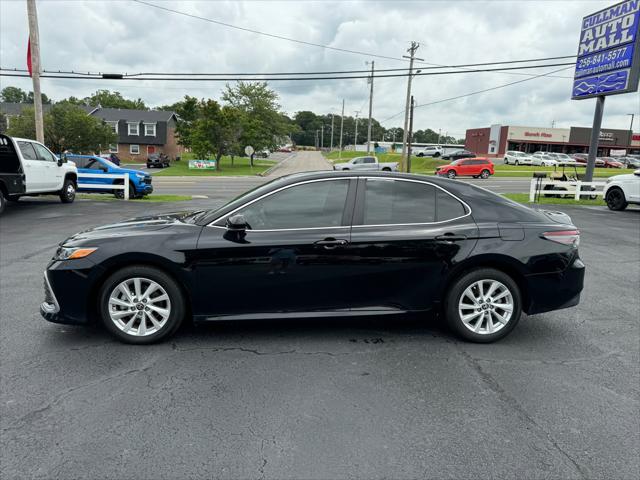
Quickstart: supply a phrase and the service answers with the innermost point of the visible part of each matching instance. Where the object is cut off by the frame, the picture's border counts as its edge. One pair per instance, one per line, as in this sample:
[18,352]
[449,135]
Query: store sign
[609,52]
[529,134]
[608,137]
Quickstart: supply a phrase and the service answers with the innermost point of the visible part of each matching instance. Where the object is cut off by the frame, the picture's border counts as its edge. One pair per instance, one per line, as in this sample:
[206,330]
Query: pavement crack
[495,387]
[254,351]
[34,414]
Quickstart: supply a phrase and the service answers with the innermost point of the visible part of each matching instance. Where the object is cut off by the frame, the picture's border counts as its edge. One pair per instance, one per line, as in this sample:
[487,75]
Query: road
[370,398]
[215,187]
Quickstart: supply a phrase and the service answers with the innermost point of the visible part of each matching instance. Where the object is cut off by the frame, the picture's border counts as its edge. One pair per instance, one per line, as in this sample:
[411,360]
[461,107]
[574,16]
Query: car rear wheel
[485,174]
[615,199]
[451,174]
[436,155]
[3,202]
[141,305]
[68,192]
[516,163]
[483,305]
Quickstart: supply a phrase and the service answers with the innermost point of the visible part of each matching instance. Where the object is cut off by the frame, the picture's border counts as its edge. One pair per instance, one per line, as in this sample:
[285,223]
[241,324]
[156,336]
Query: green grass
[524,198]
[428,165]
[240,166]
[149,198]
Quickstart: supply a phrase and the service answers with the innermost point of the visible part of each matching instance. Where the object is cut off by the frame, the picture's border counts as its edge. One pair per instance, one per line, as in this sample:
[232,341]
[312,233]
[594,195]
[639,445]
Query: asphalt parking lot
[393,398]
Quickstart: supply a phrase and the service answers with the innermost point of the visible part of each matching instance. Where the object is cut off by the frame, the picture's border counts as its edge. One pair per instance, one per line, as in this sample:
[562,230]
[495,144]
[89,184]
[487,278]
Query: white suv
[434,151]
[621,190]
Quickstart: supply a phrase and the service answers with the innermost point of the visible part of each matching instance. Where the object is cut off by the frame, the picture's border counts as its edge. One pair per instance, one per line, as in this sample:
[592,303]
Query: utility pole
[410,135]
[370,108]
[439,132]
[411,57]
[316,142]
[322,137]
[355,135]
[631,127]
[34,42]
[331,148]
[341,127]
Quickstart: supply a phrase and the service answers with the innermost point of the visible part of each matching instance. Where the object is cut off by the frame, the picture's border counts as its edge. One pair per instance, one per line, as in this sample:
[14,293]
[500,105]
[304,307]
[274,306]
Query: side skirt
[345,312]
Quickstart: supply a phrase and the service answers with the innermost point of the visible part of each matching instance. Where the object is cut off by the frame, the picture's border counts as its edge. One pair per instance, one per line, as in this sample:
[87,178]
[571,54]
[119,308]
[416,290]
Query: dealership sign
[202,164]
[609,52]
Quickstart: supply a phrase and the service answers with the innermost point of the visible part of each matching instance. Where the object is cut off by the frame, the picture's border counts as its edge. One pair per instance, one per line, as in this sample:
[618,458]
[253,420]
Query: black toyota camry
[323,244]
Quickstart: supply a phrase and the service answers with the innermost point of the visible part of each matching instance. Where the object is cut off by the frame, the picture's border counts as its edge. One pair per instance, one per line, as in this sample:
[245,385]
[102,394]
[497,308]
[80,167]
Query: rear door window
[28,153]
[396,202]
[80,162]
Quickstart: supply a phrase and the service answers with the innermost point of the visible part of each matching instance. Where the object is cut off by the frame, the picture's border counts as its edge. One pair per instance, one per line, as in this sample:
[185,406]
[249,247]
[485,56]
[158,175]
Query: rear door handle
[451,237]
[331,243]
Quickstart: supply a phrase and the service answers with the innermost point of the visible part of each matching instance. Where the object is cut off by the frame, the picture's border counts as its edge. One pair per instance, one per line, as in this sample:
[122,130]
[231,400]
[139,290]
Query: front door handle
[331,243]
[451,237]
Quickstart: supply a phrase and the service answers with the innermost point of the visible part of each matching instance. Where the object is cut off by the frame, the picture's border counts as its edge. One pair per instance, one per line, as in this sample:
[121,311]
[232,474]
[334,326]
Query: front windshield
[456,162]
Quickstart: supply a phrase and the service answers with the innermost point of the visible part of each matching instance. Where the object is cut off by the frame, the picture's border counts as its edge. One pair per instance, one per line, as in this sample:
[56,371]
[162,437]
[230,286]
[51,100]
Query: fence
[576,188]
[103,186]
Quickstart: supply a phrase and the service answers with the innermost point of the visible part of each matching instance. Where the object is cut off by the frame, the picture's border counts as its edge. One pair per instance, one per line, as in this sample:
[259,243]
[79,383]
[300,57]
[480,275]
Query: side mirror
[237,223]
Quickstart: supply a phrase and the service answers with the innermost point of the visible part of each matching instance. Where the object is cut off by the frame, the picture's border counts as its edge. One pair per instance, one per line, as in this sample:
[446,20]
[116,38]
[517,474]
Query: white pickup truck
[29,168]
[366,164]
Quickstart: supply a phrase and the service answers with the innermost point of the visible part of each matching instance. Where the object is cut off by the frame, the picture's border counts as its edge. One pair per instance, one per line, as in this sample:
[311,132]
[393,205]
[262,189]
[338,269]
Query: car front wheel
[483,305]
[120,193]
[3,202]
[451,174]
[141,305]
[615,199]
[68,192]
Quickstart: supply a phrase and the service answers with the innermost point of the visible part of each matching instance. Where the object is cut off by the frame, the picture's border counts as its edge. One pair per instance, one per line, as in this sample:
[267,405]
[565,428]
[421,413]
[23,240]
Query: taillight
[565,237]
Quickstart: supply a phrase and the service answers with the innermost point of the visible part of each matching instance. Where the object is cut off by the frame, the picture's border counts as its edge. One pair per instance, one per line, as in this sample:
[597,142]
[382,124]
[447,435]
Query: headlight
[140,175]
[71,253]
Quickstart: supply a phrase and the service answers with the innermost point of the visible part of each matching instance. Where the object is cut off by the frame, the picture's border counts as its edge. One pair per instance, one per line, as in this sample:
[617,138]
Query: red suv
[472,167]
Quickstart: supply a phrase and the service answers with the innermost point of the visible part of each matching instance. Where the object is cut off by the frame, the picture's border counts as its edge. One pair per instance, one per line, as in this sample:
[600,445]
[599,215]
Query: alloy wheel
[486,306]
[139,307]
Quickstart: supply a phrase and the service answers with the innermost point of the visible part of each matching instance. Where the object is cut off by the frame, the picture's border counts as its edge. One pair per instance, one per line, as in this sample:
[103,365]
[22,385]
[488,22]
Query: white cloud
[123,36]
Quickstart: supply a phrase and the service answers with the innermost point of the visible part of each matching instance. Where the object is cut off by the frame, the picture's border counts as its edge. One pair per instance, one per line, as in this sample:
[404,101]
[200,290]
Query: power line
[118,76]
[319,45]
[477,92]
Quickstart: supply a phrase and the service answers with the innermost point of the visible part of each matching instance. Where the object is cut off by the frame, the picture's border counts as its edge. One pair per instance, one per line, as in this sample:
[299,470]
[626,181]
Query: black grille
[147,180]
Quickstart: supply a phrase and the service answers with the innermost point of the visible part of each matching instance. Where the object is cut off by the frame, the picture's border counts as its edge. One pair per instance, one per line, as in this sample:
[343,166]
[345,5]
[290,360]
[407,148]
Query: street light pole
[631,127]
[355,135]
[370,108]
[322,137]
[331,148]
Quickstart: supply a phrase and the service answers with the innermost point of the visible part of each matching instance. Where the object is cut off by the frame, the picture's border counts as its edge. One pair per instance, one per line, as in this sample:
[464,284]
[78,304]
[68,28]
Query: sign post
[608,62]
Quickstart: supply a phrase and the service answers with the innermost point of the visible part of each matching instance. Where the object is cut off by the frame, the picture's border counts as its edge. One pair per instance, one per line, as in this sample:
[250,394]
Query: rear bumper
[555,291]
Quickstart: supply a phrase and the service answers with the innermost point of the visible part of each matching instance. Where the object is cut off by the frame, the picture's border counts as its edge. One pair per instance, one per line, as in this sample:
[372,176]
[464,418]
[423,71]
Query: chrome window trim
[391,179]
[357,177]
[226,215]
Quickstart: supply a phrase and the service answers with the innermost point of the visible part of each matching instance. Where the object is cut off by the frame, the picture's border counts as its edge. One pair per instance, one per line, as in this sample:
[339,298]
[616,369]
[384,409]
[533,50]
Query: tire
[475,176]
[615,199]
[451,174]
[516,163]
[436,155]
[149,165]
[3,202]
[478,327]
[420,155]
[484,174]
[120,193]
[68,192]
[506,161]
[386,169]
[345,169]
[166,319]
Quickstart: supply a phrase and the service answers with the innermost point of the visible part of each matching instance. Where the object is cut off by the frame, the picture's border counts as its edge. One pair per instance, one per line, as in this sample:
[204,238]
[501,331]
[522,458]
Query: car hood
[135,226]
[626,176]
[131,171]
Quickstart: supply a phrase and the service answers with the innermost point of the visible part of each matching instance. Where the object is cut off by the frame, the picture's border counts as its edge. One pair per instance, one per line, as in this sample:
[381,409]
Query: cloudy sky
[125,36]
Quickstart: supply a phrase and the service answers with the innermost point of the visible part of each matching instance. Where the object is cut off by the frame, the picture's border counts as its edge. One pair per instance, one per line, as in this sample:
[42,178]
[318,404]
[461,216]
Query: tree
[109,99]
[66,127]
[43,96]
[13,95]
[188,111]
[261,122]
[3,123]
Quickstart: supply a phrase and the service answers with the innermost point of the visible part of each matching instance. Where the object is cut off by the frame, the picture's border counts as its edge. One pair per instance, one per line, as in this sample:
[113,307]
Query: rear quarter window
[448,207]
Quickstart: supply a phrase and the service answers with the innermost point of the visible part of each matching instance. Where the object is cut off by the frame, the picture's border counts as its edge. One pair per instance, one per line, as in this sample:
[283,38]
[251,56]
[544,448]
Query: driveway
[397,397]
[300,161]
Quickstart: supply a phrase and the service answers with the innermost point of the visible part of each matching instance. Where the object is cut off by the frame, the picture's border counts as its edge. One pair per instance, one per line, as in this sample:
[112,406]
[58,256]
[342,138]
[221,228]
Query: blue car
[139,182]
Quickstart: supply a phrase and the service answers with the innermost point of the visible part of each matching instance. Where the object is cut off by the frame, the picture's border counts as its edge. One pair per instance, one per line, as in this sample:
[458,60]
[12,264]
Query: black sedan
[458,154]
[323,244]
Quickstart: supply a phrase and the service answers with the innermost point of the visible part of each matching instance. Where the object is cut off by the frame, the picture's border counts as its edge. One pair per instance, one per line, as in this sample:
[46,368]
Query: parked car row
[550,159]
[513,157]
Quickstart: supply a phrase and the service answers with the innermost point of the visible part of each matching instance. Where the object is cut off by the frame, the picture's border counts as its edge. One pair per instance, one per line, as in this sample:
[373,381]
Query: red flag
[29,57]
